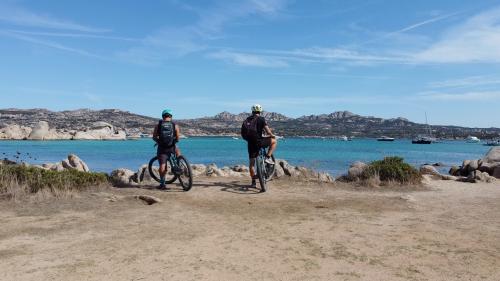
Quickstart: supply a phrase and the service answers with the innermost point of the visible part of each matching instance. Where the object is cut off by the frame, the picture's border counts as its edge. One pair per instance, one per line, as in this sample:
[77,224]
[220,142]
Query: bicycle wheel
[186,176]
[270,169]
[261,174]
[154,171]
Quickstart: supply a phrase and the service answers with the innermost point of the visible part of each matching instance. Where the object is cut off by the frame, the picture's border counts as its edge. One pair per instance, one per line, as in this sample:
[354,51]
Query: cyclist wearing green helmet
[166,135]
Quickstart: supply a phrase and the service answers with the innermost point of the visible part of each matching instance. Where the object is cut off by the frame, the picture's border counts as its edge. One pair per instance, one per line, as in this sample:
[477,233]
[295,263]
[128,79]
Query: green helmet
[167,111]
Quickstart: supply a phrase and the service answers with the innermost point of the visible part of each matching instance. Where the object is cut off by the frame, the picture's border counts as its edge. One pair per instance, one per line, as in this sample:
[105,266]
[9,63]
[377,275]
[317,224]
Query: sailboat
[424,139]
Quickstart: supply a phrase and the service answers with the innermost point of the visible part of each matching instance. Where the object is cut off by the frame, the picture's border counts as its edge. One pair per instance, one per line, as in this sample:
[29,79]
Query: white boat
[473,139]
[385,138]
[235,138]
[343,138]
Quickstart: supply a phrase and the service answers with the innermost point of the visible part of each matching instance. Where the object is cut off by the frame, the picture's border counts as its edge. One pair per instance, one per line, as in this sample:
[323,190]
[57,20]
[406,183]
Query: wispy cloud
[477,40]
[21,17]
[249,59]
[53,45]
[471,81]
[172,42]
[410,27]
[459,97]
[72,35]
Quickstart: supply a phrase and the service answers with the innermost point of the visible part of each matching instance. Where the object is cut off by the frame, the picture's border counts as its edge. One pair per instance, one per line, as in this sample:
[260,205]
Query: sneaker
[254,184]
[162,186]
[269,160]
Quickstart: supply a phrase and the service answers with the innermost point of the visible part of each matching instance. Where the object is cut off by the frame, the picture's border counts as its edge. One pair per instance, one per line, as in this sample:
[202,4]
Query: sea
[328,155]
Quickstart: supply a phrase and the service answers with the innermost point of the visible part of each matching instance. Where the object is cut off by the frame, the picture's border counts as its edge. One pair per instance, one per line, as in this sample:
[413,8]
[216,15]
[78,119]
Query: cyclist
[252,131]
[166,135]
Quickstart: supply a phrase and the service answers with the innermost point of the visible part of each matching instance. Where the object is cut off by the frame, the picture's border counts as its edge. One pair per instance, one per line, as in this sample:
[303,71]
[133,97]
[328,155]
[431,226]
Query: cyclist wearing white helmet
[252,131]
[166,135]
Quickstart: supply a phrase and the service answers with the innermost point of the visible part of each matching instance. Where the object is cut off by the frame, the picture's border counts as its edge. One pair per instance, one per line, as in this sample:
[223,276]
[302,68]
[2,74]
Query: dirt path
[293,232]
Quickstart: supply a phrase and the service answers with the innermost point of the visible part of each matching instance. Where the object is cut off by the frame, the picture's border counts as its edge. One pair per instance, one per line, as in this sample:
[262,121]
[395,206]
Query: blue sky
[384,58]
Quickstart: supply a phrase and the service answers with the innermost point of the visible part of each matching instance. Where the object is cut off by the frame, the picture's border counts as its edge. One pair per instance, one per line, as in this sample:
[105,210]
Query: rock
[478,176]
[229,172]
[40,131]
[288,169]
[14,132]
[150,200]
[429,170]
[100,131]
[57,167]
[496,172]
[75,163]
[122,178]
[356,170]
[143,176]
[240,168]
[473,165]
[212,170]
[449,178]
[279,171]
[325,177]
[198,169]
[454,171]
[407,198]
[493,155]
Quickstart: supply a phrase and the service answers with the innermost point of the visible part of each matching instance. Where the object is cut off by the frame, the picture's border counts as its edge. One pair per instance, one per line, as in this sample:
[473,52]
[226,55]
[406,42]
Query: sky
[383,58]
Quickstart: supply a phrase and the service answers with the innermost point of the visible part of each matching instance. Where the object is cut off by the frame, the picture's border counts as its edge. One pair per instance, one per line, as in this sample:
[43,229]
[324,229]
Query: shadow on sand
[232,187]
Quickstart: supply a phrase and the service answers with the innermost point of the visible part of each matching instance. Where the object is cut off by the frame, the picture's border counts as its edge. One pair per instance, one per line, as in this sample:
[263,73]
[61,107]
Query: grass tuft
[19,179]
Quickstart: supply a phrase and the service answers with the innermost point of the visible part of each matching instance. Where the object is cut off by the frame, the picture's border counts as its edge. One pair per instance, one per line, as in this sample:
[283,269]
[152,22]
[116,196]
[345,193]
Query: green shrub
[392,169]
[36,179]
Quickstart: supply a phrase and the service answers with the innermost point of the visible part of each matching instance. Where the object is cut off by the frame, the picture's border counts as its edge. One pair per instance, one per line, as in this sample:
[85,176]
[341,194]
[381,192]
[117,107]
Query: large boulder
[14,132]
[356,169]
[429,170]
[41,131]
[122,178]
[100,131]
[72,162]
[493,155]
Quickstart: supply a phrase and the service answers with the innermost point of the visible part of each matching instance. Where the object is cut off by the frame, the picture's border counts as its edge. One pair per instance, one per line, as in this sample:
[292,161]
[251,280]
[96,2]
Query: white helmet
[256,108]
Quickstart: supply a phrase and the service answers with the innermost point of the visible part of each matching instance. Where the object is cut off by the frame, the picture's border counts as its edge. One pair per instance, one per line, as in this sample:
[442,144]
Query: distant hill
[225,123]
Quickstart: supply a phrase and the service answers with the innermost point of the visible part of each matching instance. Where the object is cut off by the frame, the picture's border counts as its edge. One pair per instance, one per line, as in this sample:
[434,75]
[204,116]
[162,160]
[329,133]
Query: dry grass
[19,183]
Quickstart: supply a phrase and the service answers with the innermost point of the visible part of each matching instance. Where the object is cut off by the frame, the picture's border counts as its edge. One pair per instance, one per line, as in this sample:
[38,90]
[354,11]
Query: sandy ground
[295,231]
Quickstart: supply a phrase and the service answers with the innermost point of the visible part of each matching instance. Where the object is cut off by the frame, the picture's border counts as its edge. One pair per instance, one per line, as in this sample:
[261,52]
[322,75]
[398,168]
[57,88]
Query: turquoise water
[326,155]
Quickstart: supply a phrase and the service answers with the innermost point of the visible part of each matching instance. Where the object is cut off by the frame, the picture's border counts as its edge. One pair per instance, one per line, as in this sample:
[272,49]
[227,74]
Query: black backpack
[249,128]
[166,133]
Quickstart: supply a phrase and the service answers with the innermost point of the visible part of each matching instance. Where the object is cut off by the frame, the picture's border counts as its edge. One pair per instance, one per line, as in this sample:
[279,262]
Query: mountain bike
[265,171]
[177,168]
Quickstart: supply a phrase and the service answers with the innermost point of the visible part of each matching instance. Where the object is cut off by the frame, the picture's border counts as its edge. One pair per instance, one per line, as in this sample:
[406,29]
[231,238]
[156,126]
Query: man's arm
[156,134]
[177,133]
[268,131]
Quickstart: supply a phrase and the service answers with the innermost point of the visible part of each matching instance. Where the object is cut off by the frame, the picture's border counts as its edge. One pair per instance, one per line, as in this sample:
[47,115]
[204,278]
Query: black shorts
[255,146]
[163,153]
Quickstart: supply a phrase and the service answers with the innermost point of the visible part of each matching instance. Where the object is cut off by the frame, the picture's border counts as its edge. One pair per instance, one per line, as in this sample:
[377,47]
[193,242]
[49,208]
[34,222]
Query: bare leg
[177,151]
[163,170]
[251,168]
[274,143]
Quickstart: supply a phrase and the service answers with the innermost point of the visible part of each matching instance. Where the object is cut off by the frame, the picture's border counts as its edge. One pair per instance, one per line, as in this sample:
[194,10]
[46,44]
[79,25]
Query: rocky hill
[225,123]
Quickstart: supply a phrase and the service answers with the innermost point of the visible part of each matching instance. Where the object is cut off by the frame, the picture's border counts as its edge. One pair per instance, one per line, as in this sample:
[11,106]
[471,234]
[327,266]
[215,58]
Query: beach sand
[295,231]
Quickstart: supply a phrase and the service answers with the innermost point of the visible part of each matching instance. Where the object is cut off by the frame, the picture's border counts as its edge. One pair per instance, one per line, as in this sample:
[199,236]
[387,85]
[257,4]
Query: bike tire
[187,172]
[169,178]
[261,173]
[270,169]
